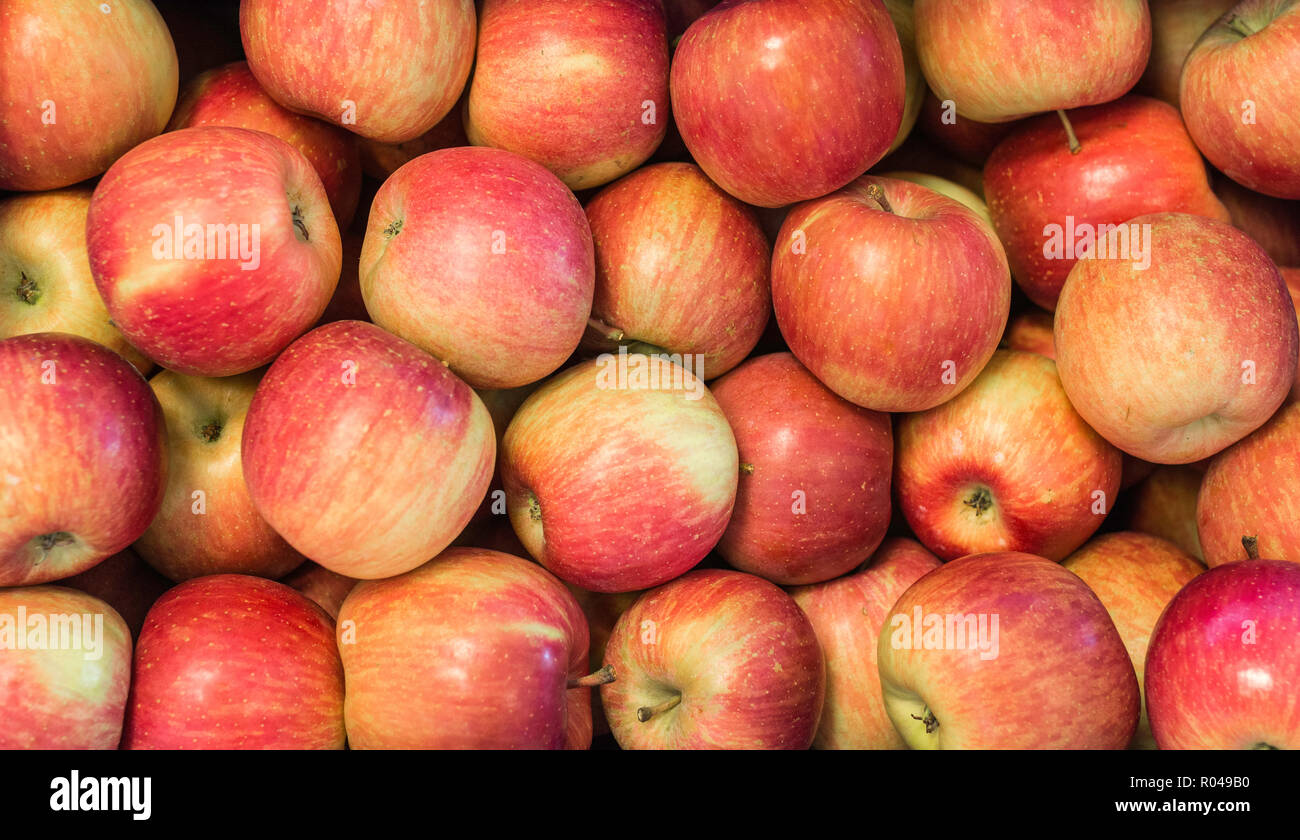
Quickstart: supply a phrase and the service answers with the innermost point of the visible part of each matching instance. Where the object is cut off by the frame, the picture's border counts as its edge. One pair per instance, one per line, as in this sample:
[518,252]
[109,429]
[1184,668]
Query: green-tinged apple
[947,187]
[1031,331]
[847,614]
[1164,505]
[327,589]
[83,455]
[1272,222]
[900,12]
[126,583]
[1175,27]
[213,248]
[1006,651]
[399,455]
[714,660]
[602,610]
[1176,355]
[482,258]
[890,293]
[970,141]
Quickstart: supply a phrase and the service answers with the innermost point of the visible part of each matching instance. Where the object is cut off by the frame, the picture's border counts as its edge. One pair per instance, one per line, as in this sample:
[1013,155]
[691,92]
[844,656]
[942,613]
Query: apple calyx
[602,677]
[49,541]
[1251,544]
[28,291]
[534,507]
[1069,132]
[928,719]
[746,469]
[393,228]
[644,713]
[981,500]
[1262,745]
[299,224]
[877,194]
[211,432]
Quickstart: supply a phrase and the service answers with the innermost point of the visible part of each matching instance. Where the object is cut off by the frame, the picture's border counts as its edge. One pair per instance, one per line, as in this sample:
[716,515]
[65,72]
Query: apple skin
[793,434]
[1221,668]
[946,187]
[1006,466]
[1031,331]
[482,258]
[230,95]
[326,589]
[58,699]
[109,80]
[235,662]
[380,160]
[1175,27]
[415,61]
[1135,576]
[848,279]
[1164,505]
[472,650]
[968,140]
[847,614]
[566,82]
[1251,54]
[1272,222]
[1000,60]
[1291,276]
[398,456]
[1153,359]
[738,652]
[1061,679]
[84,456]
[126,583]
[785,100]
[619,488]
[213,317]
[915,90]
[45,279]
[1135,158]
[602,610]
[680,266]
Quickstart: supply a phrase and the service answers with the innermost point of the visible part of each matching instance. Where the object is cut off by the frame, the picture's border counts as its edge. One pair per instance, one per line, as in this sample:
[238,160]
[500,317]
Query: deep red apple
[124,582]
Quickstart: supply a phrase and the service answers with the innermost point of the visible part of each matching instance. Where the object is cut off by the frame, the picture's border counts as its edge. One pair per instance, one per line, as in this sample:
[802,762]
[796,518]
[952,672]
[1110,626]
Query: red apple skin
[970,141]
[847,614]
[619,488]
[1135,158]
[230,95]
[602,611]
[793,434]
[347,303]
[680,266]
[1061,679]
[566,83]
[482,258]
[946,187]
[1153,359]
[213,317]
[59,699]
[1221,668]
[1135,576]
[738,651]
[848,303]
[79,87]
[1000,60]
[472,650]
[126,583]
[399,455]
[1006,466]
[1175,27]
[1252,54]
[1164,505]
[326,589]
[414,64]
[235,662]
[1272,222]
[1031,331]
[786,100]
[45,279]
[1291,276]
[84,452]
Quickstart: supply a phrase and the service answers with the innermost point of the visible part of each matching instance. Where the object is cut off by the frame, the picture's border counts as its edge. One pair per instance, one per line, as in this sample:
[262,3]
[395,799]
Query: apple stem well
[930,721]
[1236,24]
[1251,544]
[49,541]
[1069,132]
[210,432]
[981,500]
[602,677]
[300,224]
[877,194]
[28,292]
[644,713]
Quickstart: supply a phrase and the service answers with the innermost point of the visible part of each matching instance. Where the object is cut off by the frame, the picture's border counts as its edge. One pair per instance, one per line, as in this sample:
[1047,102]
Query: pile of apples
[763,374]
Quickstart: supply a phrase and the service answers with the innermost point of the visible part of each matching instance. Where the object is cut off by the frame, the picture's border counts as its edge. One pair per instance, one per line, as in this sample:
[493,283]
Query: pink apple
[325,588]
[1164,505]
[124,582]
[1175,27]
[1272,222]
[1291,276]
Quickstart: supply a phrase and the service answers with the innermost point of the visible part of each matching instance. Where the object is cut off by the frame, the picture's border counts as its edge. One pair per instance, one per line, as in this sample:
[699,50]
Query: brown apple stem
[1069,132]
[929,720]
[300,224]
[644,713]
[1251,544]
[603,676]
[876,194]
[604,330]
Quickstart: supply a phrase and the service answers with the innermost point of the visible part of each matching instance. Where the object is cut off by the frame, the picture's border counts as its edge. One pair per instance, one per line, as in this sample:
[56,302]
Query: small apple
[1164,505]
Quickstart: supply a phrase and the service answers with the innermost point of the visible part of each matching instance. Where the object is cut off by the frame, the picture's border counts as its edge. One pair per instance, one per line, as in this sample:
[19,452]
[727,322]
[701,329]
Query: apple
[947,187]
[1177,354]
[347,303]
[233,232]
[1008,651]
[847,614]
[1272,222]
[1132,157]
[714,660]
[482,258]
[364,452]
[327,589]
[80,84]
[682,13]
[126,583]
[785,100]
[45,279]
[1135,576]
[681,267]
[1238,96]
[83,446]
[1031,331]
[917,154]
[388,71]
[1006,466]
[1221,668]
[65,670]
[235,662]
[580,86]
[968,140]
[230,95]
[602,610]
[900,12]
[1164,505]
[813,497]
[379,160]
[620,473]
[1175,27]
[474,649]
[1291,276]
[852,275]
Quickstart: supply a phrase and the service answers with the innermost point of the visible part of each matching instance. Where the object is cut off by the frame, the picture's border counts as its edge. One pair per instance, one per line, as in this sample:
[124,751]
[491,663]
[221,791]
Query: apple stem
[300,224]
[1251,544]
[877,194]
[1069,132]
[605,330]
[49,541]
[602,677]
[1236,24]
[930,721]
[644,713]
[27,291]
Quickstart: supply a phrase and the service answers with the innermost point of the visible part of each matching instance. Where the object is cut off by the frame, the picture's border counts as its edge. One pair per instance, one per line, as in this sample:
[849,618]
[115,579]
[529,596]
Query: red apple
[1164,505]
[235,662]
[786,100]
[327,589]
[1175,27]
[602,610]
[900,12]
[946,187]
[970,141]
[1272,222]
[1291,276]
[379,160]
[126,583]
[813,498]
[482,258]
[82,456]
[347,303]
[853,272]
[714,660]
[1031,331]
[80,84]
